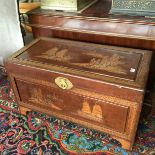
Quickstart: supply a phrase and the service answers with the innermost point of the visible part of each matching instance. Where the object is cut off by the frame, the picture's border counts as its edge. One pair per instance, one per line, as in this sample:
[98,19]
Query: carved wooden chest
[98,86]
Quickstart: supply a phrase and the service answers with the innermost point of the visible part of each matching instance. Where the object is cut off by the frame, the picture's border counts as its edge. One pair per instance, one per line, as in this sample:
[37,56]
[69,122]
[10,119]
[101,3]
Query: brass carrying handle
[63,83]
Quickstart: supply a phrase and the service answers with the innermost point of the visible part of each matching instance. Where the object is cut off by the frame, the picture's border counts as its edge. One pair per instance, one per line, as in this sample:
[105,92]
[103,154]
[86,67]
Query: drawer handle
[63,83]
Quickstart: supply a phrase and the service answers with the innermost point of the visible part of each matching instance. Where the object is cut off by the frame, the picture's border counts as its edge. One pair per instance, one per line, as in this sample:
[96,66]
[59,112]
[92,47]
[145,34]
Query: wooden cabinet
[98,86]
[95,24]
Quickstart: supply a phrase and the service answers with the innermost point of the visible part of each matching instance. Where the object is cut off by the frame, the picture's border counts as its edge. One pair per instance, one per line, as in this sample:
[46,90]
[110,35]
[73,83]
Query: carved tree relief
[111,63]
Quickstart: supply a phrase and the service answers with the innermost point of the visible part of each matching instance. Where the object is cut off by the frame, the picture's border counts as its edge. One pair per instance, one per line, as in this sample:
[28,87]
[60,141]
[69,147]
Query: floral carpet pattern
[39,134]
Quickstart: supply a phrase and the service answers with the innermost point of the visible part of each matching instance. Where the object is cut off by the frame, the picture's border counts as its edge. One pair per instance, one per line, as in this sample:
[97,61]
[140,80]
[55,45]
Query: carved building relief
[38,97]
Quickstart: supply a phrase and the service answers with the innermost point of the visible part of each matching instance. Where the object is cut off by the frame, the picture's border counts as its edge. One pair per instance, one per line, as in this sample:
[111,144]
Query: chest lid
[118,65]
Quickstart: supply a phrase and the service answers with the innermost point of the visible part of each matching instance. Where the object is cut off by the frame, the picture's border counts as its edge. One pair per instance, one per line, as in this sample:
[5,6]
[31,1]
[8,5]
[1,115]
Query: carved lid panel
[85,59]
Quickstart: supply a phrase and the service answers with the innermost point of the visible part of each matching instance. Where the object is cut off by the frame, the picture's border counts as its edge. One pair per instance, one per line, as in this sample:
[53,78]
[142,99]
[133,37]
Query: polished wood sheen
[97,25]
[98,86]
[95,21]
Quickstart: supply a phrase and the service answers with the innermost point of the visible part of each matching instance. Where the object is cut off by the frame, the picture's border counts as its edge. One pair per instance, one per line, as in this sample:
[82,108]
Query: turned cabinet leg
[23,110]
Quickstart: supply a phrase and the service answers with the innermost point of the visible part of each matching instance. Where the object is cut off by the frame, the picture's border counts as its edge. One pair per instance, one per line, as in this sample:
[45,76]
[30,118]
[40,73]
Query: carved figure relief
[86,107]
[97,111]
[111,63]
[94,114]
[37,97]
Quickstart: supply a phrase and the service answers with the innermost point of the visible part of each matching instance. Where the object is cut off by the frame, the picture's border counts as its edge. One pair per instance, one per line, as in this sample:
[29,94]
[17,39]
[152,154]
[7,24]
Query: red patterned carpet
[39,134]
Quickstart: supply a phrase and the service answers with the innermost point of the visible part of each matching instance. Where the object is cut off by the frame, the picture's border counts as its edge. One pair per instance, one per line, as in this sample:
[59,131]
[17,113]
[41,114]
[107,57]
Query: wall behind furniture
[10,33]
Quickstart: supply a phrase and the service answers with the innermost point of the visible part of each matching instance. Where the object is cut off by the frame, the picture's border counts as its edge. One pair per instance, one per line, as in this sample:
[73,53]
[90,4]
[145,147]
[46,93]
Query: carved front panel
[100,112]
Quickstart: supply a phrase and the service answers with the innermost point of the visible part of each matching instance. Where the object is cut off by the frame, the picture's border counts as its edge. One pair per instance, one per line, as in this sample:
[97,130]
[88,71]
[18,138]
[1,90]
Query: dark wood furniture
[96,25]
[98,86]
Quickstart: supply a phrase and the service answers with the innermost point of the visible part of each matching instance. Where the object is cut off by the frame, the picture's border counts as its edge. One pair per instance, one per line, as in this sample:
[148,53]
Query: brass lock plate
[63,83]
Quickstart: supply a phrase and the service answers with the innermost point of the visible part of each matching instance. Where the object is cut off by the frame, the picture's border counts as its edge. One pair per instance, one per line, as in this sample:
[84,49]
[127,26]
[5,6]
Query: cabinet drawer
[65,102]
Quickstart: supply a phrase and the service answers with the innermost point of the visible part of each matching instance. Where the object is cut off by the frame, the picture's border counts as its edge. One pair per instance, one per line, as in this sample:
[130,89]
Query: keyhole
[63,85]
